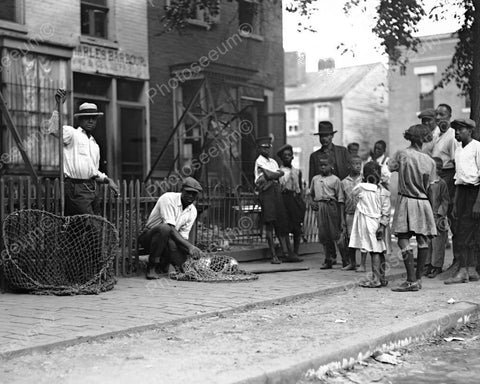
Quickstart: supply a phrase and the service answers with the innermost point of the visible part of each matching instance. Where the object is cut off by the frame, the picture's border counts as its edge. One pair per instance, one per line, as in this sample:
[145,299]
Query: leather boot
[409,266]
[411,284]
[383,269]
[460,277]
[471,266]
[421,258]
[473,274]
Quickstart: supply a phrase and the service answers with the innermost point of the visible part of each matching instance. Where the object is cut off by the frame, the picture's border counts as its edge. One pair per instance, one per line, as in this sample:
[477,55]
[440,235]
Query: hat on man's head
[190,184]
[88,109]
[283,148]
[428,113]
[463,123]
[325,128]
[264,140]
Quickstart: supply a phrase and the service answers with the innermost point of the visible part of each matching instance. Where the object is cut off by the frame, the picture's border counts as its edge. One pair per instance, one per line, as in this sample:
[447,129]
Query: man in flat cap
[338,155]
[81,155]
[466,202]
[166,233]
[427,118]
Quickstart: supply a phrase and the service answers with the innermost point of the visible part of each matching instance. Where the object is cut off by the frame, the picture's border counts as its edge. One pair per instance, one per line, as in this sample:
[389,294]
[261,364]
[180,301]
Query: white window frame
[316,114]
[297,109]
[297,153]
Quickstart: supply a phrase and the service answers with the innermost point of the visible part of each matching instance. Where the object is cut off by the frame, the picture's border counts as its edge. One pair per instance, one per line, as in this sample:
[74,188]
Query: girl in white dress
[370,223]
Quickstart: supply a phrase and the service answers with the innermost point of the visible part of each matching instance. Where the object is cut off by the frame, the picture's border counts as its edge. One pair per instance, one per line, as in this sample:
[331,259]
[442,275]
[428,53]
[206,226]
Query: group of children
[356,211]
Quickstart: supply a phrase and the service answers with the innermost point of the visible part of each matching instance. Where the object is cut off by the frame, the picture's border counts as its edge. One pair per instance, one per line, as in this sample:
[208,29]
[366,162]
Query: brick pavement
[30,321]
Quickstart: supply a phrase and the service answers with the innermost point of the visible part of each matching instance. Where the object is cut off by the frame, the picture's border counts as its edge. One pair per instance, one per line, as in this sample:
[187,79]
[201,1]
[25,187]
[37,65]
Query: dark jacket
[340,165]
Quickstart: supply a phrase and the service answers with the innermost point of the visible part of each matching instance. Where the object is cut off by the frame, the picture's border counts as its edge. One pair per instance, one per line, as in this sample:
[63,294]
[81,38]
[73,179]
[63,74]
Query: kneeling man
[166,233]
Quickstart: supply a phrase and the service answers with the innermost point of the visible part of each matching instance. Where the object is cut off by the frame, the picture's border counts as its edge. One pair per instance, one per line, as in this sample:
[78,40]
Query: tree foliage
[396,23]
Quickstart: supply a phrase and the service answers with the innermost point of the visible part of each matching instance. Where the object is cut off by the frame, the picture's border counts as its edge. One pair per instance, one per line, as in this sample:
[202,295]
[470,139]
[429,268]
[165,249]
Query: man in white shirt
[445,145]
[467,201]
[168,227]
[81,155]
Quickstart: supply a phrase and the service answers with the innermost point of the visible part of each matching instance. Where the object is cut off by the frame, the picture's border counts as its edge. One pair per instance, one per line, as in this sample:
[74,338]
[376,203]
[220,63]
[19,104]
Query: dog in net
[213,269]
[49,254]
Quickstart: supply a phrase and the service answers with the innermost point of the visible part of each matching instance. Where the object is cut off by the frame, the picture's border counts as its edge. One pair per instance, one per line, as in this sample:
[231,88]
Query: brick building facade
[98,50]
[214,88]
[412,92]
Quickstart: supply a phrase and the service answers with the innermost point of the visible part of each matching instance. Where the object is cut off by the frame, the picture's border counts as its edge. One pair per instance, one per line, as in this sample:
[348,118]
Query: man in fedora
[338,155]
[81,159]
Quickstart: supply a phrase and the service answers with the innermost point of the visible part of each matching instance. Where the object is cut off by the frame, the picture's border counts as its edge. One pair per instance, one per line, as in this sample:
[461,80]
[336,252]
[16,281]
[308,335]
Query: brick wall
[167,49]
[59,22]
[436,51]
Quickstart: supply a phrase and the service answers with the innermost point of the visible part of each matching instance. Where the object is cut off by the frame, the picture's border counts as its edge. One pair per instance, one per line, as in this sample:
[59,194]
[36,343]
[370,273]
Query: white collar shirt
[81,154]
[444,147]
[169,210]
[428,147]
[263,162]
[467,164]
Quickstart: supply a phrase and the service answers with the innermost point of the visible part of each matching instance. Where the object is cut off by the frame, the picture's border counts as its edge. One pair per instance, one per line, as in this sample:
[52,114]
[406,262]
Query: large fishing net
[49,254]
[212,269]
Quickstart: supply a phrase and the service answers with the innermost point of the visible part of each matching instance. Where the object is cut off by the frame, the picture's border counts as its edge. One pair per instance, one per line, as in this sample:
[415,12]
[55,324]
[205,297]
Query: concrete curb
[344,353]
[147,327]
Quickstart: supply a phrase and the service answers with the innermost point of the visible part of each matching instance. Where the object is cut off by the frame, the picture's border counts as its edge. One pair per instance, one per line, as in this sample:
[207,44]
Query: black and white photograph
[240,191]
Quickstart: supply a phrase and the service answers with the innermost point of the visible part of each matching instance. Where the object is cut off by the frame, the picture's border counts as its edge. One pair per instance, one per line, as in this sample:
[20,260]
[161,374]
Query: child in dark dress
[267,174]
[291,186]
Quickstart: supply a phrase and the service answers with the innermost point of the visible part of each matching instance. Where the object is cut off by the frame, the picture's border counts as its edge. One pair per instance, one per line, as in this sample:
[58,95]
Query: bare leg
[271,245]
[363,262]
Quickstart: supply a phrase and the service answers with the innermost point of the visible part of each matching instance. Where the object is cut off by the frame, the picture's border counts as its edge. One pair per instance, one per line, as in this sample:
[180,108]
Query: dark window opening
[427,85]
[8,10]
[91,85]
[248,16]
[129,90]
[94,18]
[468,101]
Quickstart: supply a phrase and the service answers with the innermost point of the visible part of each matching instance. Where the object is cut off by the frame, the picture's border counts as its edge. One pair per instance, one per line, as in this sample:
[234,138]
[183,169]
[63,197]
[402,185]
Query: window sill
[12,26]
[199,23]
[99,42]
[294,134]
[251,36]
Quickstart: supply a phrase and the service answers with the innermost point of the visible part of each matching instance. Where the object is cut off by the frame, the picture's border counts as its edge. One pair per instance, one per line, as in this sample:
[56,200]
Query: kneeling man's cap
[462,123]
[190,184]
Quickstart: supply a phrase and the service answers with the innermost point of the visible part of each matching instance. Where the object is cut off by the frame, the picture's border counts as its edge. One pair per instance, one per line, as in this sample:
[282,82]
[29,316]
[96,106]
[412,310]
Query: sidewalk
[30,322]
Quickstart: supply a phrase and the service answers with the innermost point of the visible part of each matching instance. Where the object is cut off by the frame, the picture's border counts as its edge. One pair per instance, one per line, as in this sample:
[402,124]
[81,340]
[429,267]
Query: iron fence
[228,217]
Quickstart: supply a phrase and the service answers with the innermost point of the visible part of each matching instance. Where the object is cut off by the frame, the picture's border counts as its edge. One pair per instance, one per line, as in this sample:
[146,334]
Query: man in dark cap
[338,155]
[166,233]
[466,207]
[267,173]
[427,117]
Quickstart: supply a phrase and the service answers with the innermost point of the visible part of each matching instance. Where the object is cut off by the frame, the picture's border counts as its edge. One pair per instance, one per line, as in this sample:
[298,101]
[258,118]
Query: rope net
[49,254]
[213,269]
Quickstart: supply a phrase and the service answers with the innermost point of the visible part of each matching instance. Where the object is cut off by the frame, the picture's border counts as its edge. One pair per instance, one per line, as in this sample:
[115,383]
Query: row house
[354,99]
[98,51]
[214,88]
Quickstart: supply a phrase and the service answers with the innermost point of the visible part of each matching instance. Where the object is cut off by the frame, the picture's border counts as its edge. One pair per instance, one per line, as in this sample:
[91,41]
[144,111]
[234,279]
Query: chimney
[326,64]
[295,71]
